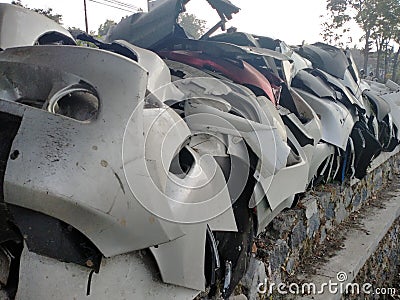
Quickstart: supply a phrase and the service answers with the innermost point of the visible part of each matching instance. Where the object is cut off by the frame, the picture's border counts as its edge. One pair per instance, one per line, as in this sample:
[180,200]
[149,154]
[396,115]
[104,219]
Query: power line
[120,3]
[113,6]
[109,5]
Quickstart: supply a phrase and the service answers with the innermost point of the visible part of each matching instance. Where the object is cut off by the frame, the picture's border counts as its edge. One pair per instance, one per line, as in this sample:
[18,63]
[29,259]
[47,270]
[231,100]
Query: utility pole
[86,22]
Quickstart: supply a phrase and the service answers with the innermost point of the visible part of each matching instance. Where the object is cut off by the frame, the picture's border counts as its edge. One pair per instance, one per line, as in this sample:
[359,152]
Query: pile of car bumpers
[144,166]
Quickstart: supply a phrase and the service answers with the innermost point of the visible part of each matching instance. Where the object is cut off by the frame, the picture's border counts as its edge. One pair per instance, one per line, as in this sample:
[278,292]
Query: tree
[366,17]
[49,13]
[17,3]
[395,32]
[377,18]
[386,12]
[105,27]
[336,24]
[396,38]
[341,12]
[46,12]
[193,26]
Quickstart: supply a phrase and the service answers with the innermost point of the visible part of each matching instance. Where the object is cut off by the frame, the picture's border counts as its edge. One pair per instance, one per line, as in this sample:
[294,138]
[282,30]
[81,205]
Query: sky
[292,21]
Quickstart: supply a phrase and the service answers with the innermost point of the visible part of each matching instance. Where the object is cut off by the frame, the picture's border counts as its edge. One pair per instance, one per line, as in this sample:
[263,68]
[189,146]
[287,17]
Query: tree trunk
[378,59]
[366,51]
[395,64]
[387,56]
